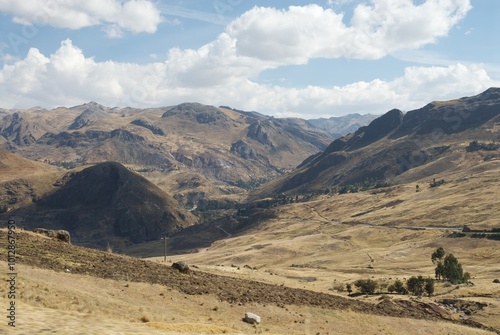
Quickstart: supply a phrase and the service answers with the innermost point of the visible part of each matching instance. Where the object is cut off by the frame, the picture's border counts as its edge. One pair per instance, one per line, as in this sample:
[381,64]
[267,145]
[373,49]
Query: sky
[305,59]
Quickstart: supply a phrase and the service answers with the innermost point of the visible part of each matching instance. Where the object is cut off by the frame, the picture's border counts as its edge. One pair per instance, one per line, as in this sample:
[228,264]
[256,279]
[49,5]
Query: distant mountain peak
[492,93]
[88,116]
[93,104]
[203,114]
[339,126]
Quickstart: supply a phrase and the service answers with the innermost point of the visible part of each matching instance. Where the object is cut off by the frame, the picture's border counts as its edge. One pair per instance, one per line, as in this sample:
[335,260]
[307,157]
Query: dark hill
[106,204]
[391,148]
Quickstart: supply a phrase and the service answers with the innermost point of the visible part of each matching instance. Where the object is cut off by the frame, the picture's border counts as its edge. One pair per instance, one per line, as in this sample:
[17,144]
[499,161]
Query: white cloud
[298,34]
[133,15]
[67,77]
[223,72]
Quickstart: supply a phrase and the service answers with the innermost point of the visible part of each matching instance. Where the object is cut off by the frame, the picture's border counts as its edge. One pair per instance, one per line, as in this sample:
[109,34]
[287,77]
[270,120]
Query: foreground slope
[329,241]
[403,147]
[127,294]
[105,205]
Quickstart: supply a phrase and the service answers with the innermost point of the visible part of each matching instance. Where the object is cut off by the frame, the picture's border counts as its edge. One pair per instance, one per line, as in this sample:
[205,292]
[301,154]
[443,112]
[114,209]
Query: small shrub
[496,281]
[436,183]
[349,288]
[144,319]
[339,287]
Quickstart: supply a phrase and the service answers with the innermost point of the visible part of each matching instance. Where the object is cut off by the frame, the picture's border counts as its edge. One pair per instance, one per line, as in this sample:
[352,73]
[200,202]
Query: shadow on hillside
[201,236]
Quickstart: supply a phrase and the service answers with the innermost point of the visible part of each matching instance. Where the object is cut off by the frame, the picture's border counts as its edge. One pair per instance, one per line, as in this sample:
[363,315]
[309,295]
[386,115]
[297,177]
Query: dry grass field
[290,270]
[59,303]
[384,234]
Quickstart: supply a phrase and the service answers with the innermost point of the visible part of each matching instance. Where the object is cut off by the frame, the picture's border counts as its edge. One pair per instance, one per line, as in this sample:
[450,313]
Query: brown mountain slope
[221,150]
[105,204]
[23,181]
[399,147]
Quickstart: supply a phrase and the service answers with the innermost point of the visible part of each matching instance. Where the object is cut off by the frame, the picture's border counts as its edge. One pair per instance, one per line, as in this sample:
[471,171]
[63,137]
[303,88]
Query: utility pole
[164,238]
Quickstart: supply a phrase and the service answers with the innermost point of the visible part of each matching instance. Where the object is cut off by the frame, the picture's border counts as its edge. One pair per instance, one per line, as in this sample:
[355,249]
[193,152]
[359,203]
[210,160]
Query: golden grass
[321,245]
[59,303]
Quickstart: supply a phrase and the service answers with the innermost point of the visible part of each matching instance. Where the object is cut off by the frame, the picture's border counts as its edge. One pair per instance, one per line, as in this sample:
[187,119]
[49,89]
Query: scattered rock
[61,235]
[251,318]
[181,266]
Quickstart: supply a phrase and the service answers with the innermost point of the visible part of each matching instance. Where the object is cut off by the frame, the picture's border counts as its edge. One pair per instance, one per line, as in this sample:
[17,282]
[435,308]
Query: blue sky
[303,58]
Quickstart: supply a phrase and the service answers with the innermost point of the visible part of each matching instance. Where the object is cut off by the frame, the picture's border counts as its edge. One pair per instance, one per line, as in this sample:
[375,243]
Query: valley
[272,216]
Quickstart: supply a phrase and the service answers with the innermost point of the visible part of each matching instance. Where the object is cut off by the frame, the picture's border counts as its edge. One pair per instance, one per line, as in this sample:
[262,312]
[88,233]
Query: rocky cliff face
[88,117]
[16,129]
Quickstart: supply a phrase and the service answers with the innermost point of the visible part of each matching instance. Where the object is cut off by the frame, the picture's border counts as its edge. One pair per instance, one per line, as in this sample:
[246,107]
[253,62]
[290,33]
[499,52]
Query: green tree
[438,255]
[448,268]
[415,285]
[400,287]
[429,286]
[437,258]
[466,278]
[453,270]
[439,271]
[366,286]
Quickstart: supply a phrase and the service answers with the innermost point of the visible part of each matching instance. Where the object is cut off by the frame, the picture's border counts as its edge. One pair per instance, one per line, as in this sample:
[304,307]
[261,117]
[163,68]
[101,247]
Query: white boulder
[251,318]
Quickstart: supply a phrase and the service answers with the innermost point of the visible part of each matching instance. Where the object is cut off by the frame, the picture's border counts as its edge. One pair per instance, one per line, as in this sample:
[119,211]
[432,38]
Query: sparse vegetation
[476,146]
[367,184]
[349,288]
[436,183]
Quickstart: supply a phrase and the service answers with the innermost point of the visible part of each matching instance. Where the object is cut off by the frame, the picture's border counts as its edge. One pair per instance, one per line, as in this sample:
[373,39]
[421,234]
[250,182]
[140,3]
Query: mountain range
[339,126]
[402,147]
[189,150]
[129,168]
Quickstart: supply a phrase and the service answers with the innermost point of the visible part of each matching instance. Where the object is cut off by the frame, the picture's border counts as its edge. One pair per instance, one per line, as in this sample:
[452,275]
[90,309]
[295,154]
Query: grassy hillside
[113,294]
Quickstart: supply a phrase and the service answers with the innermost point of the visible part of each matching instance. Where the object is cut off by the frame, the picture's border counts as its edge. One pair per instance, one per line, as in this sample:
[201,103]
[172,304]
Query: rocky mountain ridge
[402,147]
[227,150]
